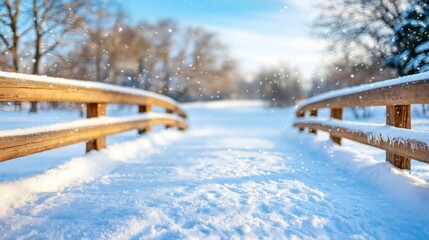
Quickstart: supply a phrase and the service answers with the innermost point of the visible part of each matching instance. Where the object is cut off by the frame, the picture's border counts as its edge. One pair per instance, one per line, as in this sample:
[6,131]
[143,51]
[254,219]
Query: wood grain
[22,90]
[94,110]
[398,116]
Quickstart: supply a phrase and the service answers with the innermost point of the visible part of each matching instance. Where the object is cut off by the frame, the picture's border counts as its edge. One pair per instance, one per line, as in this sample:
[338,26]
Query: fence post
[336,113]
[95,110]
[169,112]
[301,114]
[145,109]
[398,116]
[313,113]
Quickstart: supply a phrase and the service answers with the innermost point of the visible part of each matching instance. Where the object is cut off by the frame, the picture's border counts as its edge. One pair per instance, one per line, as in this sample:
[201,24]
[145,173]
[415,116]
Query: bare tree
[163,51]
[186,64]
[9,12]
[9,35]
[360,31]
[146,60]
[205,68]
[281,86]
[52,21]
[12,30]
[110,48]
[360,27]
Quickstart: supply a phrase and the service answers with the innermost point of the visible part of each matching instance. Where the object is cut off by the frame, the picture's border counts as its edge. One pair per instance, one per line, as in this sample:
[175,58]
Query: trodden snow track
[239,171]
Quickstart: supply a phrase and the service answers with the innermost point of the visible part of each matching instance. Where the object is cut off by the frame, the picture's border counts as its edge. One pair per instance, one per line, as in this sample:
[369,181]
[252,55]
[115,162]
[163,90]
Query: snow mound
[18,193]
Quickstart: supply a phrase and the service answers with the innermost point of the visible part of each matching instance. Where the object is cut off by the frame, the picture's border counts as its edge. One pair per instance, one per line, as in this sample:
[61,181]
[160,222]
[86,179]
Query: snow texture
[241,172]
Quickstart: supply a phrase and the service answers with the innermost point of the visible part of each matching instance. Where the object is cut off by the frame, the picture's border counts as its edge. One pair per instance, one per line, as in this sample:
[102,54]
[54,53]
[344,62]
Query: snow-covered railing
[401,143]
[22,87]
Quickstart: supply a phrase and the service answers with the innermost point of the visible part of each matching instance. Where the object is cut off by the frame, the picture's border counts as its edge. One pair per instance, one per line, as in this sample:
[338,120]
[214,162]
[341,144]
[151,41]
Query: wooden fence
[396,137]
[20,87]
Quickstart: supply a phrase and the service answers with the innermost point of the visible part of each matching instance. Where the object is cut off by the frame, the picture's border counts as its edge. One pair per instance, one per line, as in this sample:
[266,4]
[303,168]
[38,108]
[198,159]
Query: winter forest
[214,119]
[365,41]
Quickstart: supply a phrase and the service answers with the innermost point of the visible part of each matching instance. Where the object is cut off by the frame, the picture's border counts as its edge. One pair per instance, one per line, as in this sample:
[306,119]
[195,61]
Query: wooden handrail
[402,91]
[22,87]
[407,147]
[397,95]
[33,140]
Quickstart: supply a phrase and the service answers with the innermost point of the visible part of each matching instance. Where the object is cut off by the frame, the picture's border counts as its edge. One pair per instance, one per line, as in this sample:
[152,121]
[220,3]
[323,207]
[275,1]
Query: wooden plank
[94,110]
[336,113]
[69,91]
[401,94]
[313,113]
[145,109]
[413,149]
[26,144]
[398,116]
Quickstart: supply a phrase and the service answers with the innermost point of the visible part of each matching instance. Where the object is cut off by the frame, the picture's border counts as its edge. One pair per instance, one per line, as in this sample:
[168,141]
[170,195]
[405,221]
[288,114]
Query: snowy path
[241,172]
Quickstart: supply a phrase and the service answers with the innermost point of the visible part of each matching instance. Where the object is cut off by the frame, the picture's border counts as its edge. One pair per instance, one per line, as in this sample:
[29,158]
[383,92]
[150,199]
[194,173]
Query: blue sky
[258,32]
[207,11]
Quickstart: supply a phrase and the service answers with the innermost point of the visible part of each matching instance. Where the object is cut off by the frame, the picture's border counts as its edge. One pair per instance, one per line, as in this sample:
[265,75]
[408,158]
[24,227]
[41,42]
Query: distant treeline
[94,40]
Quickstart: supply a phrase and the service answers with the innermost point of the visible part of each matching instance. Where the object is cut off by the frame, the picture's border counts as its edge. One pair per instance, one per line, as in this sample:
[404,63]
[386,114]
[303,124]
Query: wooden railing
[22,142]
[401,143]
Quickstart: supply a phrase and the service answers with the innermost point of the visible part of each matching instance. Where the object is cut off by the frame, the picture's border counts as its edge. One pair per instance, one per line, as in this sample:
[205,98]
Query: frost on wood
[378,133]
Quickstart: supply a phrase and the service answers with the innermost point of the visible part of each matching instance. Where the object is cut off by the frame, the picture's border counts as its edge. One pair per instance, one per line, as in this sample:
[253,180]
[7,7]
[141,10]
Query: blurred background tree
[410,42]
[359,33]
[281,86]
[360,28]
[371,41]
[93,40]
[96,41]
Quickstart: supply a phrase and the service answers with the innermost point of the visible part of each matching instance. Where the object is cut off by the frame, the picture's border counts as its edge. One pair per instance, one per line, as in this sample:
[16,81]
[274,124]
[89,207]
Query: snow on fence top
[397,91]
[43,88]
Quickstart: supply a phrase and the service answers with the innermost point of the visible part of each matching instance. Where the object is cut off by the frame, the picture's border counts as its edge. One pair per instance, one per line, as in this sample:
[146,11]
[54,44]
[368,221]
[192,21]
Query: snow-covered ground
[241,171]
